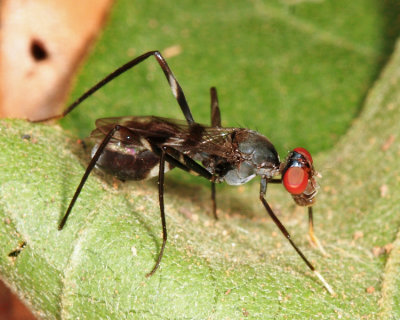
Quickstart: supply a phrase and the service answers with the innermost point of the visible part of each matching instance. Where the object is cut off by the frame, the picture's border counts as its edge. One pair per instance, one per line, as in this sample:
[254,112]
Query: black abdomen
[129,163]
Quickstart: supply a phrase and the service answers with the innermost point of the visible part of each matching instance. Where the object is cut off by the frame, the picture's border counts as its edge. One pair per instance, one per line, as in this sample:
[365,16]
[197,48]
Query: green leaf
[239,266]
[96,266]
[305,66]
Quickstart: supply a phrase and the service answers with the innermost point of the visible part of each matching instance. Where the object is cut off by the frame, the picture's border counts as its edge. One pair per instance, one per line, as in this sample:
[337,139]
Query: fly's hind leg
[173,83]
[89,169]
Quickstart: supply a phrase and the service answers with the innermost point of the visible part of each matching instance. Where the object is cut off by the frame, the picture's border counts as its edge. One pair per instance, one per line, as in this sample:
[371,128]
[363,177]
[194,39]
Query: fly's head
[298,177]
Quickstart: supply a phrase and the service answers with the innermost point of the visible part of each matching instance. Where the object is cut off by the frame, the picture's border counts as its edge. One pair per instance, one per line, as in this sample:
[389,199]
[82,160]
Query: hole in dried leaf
[38,50]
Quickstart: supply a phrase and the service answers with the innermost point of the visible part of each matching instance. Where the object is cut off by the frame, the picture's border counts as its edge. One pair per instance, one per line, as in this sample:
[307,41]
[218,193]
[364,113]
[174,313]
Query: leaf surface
[239,266]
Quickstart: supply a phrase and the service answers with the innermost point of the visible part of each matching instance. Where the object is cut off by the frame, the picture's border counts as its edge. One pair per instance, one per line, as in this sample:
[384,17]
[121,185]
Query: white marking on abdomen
[154,172]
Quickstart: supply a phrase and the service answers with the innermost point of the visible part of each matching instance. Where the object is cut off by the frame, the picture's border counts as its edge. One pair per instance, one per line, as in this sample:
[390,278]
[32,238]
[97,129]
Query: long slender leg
[275,181]
[162,213]
[184,162]
[213,200]
[175,87]
[263,189]
[89,169]
[215,112]
[187,163]
[215,122]
[313,238]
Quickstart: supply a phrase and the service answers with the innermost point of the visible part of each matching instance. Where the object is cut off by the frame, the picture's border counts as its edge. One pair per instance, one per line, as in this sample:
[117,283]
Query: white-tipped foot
[326,285]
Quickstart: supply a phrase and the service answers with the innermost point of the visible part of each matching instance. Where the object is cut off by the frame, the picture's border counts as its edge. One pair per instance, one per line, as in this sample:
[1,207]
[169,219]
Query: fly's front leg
[215,122]
[275,181]
[263,190]
[313,238]
[173,83]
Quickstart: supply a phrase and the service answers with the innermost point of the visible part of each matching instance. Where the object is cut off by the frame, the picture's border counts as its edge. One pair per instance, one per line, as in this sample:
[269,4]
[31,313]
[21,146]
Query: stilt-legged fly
[138,148]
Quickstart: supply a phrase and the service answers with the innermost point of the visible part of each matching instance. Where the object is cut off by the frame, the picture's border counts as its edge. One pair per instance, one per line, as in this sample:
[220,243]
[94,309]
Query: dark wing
[177,134]
[210,141]
[135,128]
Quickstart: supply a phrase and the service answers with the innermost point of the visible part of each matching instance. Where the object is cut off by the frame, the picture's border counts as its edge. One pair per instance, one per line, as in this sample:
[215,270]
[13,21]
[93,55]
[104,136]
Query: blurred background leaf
[297,71]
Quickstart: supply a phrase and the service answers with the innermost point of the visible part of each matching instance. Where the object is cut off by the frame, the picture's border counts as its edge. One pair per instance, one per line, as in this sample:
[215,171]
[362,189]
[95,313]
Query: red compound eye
[304,153]
[295,180]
